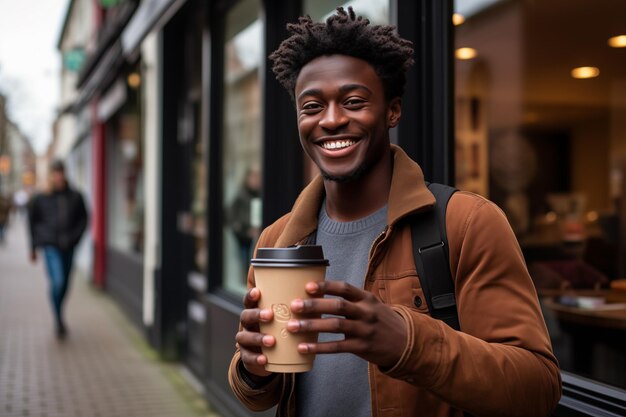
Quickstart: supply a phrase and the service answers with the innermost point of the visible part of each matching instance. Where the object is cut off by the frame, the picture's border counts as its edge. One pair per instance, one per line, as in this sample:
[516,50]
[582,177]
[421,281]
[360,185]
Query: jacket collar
[408,194]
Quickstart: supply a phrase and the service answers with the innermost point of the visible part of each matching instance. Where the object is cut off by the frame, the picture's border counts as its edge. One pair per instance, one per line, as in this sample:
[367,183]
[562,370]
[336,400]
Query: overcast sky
[30,64]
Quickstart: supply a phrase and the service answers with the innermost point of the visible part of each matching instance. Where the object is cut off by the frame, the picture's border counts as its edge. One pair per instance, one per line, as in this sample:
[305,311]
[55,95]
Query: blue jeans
[59,265]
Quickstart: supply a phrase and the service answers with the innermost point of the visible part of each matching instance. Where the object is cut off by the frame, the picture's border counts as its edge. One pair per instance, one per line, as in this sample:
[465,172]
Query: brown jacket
[501,364]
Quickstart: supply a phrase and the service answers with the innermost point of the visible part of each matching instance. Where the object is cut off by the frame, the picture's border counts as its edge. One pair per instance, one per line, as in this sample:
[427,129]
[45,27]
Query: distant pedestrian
[57,221]
[5,210]
[20,199]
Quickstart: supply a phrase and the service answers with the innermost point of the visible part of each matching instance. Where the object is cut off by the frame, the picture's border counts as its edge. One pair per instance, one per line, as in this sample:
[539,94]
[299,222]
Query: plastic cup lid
[300,255]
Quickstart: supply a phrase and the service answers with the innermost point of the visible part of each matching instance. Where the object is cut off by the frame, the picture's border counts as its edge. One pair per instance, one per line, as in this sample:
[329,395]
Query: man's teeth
[340,144]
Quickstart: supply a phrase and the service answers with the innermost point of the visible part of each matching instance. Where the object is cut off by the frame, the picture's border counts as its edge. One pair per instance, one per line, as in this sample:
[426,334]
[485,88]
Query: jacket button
[417,301]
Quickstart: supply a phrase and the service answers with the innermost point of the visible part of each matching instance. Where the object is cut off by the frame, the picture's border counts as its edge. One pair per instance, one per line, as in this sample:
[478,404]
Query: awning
[150,15]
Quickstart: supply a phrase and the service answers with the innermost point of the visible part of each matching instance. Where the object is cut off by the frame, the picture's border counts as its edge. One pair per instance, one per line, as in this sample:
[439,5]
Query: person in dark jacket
[57,221]
[241,215]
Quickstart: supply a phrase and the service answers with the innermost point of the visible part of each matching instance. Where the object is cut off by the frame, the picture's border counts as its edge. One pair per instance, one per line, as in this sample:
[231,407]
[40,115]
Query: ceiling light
[134,80]
[592,216]
[465,53]
[585,72]
[618,41]
[458,19]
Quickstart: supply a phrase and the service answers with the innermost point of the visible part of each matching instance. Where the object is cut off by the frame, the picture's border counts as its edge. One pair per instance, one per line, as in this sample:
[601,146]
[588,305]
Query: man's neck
[60,189]
[357,199]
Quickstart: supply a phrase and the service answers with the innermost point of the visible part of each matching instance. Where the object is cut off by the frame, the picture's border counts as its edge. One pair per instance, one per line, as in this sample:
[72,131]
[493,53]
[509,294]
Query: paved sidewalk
[102,369]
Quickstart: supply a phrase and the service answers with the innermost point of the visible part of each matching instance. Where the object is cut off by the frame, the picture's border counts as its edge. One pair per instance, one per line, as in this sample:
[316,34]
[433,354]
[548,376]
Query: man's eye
[310,106]
[354,102]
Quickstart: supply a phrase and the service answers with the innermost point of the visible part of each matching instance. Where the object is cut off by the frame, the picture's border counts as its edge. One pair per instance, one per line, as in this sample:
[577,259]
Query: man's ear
[394,111]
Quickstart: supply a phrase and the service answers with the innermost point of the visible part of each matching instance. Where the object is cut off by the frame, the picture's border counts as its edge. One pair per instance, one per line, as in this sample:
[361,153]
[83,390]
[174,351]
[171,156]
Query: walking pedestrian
[380,351]
[57,220]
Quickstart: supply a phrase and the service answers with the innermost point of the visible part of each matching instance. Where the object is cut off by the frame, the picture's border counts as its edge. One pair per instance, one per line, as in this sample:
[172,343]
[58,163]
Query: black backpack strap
[430,249]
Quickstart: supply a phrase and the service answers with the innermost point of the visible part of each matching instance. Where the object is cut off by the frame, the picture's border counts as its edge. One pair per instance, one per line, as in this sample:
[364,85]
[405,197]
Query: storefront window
[241,141]
[541,130]
[125,179]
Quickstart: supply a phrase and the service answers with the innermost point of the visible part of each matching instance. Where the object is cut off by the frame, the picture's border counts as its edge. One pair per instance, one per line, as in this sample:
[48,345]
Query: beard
[355,175]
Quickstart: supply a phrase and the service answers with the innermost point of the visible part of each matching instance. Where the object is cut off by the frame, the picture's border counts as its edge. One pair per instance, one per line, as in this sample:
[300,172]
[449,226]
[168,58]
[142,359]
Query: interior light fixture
[458,19]
[134,80]
[592,216]
[465,53]
[618,41]
[582,73]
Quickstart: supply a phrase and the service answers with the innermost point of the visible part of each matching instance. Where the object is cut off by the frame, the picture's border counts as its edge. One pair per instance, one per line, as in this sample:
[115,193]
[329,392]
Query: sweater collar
[408,194]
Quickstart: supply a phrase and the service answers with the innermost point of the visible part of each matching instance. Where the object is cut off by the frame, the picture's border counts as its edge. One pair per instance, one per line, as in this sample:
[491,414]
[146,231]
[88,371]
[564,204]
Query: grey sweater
[338,383]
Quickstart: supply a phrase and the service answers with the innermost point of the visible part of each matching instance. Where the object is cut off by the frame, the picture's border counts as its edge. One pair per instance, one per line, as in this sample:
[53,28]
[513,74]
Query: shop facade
[199,153]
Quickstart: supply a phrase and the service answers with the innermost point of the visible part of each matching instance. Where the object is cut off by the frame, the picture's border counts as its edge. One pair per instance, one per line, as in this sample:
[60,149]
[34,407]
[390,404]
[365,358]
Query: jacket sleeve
[502,362]
[262,398]
[80,224]
[255,399]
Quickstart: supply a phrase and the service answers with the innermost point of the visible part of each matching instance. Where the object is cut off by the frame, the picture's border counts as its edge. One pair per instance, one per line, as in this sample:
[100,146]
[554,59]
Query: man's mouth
[337,144]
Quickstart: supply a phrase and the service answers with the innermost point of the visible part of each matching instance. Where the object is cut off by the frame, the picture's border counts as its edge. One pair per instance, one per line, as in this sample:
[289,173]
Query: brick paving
[102,369]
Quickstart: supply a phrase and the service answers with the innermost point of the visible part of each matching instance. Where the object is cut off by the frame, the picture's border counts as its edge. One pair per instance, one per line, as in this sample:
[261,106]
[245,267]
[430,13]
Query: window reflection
[125,181]
[241,141]
[244,215]
[550,150]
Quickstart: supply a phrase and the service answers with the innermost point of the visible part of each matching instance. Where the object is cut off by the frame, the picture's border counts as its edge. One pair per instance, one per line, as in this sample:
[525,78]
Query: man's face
[343,116]
[58,179]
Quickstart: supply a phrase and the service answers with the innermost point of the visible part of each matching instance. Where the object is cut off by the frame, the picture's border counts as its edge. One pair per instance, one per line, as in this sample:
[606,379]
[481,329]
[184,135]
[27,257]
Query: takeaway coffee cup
[280,275]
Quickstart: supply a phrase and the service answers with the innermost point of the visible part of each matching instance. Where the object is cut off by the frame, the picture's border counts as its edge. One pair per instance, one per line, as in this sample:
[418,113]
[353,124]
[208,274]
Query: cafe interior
[540,128]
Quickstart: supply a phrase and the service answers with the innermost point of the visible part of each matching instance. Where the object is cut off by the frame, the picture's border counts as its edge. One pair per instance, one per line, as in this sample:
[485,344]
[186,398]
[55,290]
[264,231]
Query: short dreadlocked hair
[344,33]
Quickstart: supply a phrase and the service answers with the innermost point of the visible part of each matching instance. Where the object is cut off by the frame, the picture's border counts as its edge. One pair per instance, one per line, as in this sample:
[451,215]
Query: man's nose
[334,117]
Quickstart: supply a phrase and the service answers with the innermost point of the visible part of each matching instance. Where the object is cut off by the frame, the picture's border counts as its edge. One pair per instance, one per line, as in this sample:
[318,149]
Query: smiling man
[380,353]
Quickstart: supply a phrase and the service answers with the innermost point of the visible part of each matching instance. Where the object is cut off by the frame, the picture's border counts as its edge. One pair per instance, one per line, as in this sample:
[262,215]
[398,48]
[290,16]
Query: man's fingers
[254,340]
[250,349]
[350,328]
[251,299]
[341,346]
[338,288]
[252,359]
[334,306]
[250,318]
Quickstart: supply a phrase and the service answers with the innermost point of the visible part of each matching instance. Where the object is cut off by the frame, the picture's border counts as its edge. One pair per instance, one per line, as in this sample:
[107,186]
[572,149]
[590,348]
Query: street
[103,368]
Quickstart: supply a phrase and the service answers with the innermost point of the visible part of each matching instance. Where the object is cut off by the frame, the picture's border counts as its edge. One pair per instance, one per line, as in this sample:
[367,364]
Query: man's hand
[249,339]
[33,256]
[372,329]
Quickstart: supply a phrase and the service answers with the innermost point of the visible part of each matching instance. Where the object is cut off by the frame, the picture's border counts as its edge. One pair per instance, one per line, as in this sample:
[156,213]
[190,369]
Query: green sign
[74,59]
[109,3]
